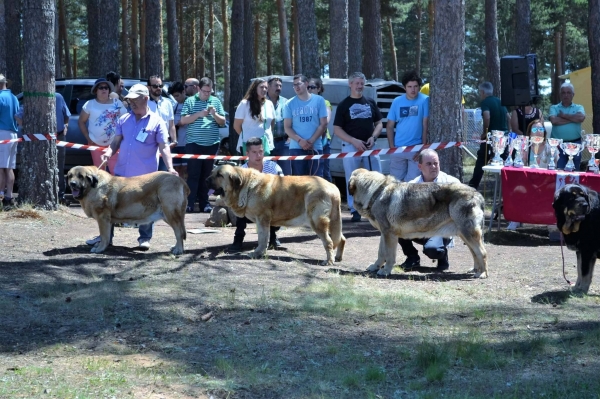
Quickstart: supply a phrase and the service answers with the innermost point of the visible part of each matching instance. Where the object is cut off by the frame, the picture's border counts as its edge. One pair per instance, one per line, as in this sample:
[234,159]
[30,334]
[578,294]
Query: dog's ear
[235,180]
[351,186]
[93,180]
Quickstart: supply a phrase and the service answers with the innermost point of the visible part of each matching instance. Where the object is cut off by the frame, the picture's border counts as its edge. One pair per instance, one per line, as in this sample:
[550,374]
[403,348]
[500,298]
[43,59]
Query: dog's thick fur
[271,200]
[577,211]
[135,200]
[423,210]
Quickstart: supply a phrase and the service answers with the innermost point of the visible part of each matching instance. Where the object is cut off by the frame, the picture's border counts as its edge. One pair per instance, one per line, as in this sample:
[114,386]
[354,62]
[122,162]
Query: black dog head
[572,204]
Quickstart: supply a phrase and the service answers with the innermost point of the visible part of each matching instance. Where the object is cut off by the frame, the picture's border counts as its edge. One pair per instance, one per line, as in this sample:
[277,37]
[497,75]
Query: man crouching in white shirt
[434,247]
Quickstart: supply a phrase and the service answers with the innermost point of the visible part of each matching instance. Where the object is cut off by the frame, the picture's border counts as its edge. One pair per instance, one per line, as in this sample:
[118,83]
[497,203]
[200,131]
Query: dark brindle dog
[577,211]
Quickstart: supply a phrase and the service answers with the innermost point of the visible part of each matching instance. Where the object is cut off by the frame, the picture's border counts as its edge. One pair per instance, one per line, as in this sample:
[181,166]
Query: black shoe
[237,246]
[355,217]
[8,203]
[411,263]
[189,209]
[274,244]
[442,264]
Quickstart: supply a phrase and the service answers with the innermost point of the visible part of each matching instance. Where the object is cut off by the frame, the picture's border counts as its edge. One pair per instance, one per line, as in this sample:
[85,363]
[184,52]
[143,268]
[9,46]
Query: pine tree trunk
[201,46]
[173,38]
[393,50]
[297,48]
[355,50]
[211,38]
[309,43]
[125,44]
[594,45]
[372,50]
[65,38]
[38,180]
[2,37]
[154,55]
[286,59]
[523,26]
[249,65]
[445,115]
[338,38]
[430,22]
[269,47]
[558,71]
[57,49]
[492,59]
[256,42]
[419,39]
[182,50]
[143,24]
[14,54]
[135,47]
[237,68]
[224,21]
[103,50]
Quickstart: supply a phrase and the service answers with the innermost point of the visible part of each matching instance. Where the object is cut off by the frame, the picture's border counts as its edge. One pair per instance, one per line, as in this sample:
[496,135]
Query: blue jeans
[283,149]
[325,162]
[310,167]
[433,248]
[198,172]
[564,158]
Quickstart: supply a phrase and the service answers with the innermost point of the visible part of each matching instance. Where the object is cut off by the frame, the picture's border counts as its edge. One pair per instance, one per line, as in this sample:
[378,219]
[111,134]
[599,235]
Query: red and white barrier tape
[410,148]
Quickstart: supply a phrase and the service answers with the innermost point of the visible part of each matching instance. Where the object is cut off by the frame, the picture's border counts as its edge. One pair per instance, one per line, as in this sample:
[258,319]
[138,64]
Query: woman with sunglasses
[535,129]
[255,117]
[98,120]
[315,86]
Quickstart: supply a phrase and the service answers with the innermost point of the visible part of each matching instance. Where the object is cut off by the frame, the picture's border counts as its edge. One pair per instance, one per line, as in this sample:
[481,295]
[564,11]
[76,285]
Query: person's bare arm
[237,125]
[83,118]
[575,118]
[165,151]
[186,120]
[172,133]
[389,130]
[220,119]
[319,132]
[425,130]
[112,149]
[514,123]
[341,133]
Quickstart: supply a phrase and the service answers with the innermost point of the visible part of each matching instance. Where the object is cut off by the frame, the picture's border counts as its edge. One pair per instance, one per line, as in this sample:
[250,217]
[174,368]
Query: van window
[81,94]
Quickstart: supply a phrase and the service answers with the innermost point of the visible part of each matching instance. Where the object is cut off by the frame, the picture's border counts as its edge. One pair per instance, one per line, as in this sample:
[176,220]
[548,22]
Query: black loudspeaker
[519,80]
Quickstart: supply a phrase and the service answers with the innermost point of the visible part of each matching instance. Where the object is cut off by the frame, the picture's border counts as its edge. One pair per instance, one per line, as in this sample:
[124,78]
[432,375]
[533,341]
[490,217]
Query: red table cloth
[527,194]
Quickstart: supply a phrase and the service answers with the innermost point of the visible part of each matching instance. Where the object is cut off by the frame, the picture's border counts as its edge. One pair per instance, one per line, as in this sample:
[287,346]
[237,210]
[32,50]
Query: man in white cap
[140,133]
[9,105]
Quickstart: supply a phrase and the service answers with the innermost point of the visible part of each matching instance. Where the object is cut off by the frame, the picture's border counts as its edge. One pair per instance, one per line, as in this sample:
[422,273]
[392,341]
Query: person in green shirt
[495,117]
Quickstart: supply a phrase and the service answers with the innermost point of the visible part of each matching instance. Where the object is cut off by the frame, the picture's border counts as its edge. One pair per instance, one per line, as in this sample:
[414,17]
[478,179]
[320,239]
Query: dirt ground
[525,269]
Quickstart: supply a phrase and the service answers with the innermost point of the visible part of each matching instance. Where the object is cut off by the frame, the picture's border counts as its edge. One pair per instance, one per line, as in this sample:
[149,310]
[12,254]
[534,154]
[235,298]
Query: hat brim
[134,95]
[110,86]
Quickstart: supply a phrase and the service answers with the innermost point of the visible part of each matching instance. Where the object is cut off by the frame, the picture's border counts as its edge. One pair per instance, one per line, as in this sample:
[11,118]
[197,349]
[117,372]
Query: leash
[102,164]
[562,243]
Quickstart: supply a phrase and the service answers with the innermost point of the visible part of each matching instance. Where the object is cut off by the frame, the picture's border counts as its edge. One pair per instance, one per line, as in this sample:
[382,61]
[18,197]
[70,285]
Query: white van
[382,91]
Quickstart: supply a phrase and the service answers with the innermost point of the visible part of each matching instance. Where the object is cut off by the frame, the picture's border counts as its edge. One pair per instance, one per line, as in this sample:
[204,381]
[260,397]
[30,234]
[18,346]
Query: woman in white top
[255,115]
[98,120]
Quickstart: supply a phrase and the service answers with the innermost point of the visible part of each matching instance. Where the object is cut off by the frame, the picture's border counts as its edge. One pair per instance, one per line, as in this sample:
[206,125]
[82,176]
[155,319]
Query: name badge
[141,137]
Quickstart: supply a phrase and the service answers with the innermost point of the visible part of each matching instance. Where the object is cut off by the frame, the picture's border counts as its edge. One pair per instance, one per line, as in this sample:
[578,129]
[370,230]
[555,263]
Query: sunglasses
[537,129]
[312,87]
[156,86]
[103,88]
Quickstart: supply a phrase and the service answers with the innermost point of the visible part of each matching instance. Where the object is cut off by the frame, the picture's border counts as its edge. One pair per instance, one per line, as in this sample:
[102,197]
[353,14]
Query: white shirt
[441,178]
[164,109]
[252,127]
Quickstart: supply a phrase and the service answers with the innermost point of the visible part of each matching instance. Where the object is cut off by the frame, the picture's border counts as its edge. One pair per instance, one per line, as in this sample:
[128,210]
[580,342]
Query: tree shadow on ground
[557,297]
[525,237]
[426,274]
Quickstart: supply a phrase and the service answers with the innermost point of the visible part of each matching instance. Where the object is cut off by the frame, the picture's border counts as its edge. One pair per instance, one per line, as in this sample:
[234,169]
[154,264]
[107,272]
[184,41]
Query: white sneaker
[144,244]
[95,240]
[513,225]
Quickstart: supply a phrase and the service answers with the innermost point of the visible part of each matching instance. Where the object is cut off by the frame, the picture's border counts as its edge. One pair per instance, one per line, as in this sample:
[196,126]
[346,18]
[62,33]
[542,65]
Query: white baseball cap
[137,90]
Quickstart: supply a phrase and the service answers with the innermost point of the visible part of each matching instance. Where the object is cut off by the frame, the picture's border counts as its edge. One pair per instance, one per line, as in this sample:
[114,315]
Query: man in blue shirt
[566,118]
[305,121]
[8,152]
[409,116]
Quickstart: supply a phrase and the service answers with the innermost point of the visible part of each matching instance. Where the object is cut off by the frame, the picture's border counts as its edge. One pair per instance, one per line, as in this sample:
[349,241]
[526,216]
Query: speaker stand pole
[524,130]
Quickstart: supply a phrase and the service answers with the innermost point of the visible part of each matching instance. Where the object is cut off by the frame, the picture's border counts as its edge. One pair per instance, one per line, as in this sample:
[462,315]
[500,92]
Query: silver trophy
[521,145]
[572,150]
[511,147]
[554,143]
[536,149]
[499,141]
[592,143]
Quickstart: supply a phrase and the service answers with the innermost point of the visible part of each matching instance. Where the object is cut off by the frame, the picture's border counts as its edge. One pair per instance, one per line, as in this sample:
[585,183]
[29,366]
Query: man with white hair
[566,118]
[140,133]
[9,105]
[495,117]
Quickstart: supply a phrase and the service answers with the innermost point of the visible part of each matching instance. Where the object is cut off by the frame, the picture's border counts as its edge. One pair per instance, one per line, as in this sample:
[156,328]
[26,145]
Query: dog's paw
[326,263]
[338,258]
[96,249]
[481,275]
[175,250]
[257,254]
[383,272]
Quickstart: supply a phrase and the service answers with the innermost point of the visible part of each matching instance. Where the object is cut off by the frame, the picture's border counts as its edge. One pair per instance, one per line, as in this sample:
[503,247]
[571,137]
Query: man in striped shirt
[254,147]
[204,114]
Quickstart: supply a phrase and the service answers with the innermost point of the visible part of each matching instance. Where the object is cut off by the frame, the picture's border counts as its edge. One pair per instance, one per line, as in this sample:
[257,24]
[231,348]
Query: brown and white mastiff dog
[134,200]
[421,210]
[271,200]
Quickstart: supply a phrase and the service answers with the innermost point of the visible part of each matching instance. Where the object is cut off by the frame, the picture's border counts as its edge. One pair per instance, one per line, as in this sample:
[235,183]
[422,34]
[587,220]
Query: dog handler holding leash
[140,133]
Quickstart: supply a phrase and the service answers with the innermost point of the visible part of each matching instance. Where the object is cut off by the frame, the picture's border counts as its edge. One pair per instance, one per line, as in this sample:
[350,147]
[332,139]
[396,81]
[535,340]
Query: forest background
[454,44]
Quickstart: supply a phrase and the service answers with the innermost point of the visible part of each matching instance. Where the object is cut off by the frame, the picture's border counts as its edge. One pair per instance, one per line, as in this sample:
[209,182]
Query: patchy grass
[130,325]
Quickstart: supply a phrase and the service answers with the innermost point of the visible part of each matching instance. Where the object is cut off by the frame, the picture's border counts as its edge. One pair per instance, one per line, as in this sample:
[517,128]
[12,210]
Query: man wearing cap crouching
[140,133]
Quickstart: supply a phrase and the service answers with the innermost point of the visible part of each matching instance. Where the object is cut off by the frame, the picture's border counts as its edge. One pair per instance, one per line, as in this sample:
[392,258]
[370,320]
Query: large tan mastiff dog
[135,200]
[422,210]
[271,200]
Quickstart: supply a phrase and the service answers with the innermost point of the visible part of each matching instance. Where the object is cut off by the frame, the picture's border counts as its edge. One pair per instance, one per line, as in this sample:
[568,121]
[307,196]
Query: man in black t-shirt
[358,124]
